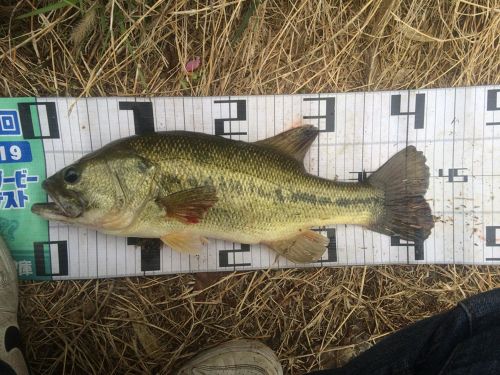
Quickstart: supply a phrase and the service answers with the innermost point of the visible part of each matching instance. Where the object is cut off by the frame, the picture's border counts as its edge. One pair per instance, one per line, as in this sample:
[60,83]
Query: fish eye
[71,175]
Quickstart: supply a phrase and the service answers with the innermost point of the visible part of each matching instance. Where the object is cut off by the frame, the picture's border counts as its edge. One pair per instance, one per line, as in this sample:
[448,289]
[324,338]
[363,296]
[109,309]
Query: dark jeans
[465,340]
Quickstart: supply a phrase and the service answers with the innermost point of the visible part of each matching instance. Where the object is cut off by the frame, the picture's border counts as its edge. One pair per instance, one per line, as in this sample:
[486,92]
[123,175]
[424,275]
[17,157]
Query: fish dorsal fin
[294,142]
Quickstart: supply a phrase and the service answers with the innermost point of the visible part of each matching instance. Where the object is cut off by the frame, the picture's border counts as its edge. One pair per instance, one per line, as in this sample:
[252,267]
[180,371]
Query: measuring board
[458,129]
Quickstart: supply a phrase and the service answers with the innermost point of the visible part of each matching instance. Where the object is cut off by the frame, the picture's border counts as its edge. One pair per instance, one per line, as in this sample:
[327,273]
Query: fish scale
[247,182]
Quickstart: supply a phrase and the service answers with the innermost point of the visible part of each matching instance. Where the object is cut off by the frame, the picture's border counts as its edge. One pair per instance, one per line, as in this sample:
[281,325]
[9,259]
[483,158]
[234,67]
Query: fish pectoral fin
[189,206]
[307,246]
[184,242]
[294,142]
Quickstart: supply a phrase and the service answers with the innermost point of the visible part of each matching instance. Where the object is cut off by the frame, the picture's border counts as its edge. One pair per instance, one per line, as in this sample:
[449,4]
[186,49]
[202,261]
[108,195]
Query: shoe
[237,357]
[11,356]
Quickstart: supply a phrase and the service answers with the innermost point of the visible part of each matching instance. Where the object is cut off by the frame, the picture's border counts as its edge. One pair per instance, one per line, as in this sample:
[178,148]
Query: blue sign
[17,183]
[9,123]
[15,152]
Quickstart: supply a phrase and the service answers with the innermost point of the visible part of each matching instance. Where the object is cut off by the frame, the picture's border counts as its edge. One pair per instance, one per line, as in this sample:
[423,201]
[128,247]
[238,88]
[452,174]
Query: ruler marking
[406,161]
[81,230]
[472,182]
[492,179]
[464,223]
[453,164]
[93,254]
[482,182]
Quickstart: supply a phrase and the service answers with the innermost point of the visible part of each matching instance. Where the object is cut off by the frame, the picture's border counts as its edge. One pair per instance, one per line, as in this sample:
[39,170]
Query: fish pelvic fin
[305,247]
[294,142]
[189,206]
[404,178]
[184,242]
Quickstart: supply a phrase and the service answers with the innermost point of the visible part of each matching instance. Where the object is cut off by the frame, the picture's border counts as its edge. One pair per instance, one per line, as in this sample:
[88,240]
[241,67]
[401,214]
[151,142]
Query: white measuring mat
[458,130]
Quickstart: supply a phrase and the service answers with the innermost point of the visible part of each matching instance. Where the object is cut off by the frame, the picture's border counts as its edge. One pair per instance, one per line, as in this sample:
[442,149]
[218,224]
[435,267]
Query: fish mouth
[49,210]
[66,204]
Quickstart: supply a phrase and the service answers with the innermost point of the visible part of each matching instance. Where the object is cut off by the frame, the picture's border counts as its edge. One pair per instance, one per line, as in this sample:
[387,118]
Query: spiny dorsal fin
[294,142]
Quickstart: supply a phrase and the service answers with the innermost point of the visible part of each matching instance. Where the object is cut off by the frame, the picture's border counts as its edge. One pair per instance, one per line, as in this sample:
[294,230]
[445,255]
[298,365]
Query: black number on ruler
[492,104]
[241,115]
[150,252]
[27,120]
[361,176]
[224,257]
[453,175]
[331,248]
[329,115]
[144,124]
[143,116]
[41,248]
[418,245]
[419,108]
[491,236]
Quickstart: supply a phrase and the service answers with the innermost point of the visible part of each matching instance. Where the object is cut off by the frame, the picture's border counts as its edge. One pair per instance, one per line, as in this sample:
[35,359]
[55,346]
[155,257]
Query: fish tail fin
[404,178]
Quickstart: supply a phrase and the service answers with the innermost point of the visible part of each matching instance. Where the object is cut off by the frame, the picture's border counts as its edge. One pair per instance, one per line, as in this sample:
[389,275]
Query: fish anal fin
[305,247]
[294,142]
[184,242]
[189,206]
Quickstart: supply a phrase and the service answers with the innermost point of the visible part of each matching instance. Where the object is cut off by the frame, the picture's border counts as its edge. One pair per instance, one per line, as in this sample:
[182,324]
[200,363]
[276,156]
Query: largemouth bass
[183,187]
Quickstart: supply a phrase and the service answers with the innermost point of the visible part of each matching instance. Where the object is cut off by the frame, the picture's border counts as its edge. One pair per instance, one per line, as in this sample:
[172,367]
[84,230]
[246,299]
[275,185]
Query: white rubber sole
[236,357]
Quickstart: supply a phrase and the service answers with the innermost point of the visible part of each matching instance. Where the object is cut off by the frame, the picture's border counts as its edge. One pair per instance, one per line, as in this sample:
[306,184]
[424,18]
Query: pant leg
[462,341]
[479,353]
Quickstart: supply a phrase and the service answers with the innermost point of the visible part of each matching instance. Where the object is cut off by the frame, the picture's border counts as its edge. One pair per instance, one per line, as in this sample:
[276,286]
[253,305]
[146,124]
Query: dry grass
[312,318]
[138,47]
[315,318]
